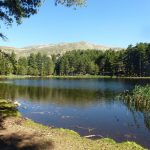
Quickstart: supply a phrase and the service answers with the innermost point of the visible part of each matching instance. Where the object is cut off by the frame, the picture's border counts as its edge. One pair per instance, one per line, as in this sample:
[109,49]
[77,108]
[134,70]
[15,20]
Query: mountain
[50,49]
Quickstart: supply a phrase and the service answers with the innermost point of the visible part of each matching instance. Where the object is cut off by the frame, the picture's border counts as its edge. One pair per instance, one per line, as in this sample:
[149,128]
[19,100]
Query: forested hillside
[133,61]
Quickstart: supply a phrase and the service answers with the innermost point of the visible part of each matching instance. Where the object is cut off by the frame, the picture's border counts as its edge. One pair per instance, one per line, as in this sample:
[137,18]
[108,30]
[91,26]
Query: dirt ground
[14,136]
[22,134]
[18,133]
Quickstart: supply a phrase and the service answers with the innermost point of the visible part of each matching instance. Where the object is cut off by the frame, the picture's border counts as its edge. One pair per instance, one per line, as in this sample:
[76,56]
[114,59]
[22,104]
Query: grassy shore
[21,133]
[70,77]
[54,76]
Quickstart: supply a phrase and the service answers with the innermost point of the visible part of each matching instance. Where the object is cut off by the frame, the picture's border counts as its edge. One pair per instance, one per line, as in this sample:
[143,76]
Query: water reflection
[55,95]
[141,106]
[147,119]
[86,106]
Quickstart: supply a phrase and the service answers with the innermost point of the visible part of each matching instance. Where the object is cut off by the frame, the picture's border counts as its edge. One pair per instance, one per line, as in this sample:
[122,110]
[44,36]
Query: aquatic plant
[138,98]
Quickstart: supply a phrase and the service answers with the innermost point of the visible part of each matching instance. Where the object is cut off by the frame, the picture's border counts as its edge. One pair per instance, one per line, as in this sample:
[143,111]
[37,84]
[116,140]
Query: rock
[17,103]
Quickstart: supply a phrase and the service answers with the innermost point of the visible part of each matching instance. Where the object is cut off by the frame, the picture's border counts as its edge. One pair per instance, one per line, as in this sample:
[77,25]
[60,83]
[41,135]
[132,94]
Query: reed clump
[138,98]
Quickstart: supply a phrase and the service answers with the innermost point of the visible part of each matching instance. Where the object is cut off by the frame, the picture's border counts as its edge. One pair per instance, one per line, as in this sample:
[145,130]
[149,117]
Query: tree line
[35,64]
[133,61]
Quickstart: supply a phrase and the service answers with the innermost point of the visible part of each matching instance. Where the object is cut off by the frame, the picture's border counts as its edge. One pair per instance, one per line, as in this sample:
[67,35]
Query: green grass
[70,77]
[64,138]
[54,76]
[141,93]
[15,76]
[138,98]
[81,77]
[8,109]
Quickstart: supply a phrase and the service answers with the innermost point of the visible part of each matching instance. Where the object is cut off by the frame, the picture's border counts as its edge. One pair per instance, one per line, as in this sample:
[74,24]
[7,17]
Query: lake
[87,106]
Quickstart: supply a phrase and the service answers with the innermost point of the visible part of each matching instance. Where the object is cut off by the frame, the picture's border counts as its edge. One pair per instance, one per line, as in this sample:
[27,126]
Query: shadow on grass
[22,140]
[7,109]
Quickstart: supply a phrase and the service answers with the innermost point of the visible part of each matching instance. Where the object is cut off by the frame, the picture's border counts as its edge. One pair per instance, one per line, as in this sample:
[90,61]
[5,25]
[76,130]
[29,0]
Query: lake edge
[68,77]
[70,135]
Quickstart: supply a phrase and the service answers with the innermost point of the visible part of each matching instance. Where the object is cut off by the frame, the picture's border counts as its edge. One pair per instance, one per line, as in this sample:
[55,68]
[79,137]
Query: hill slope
[50,49]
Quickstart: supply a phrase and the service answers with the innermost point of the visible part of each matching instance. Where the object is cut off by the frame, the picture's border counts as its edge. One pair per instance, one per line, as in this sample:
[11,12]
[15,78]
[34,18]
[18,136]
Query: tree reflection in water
[138,105]
[55,95]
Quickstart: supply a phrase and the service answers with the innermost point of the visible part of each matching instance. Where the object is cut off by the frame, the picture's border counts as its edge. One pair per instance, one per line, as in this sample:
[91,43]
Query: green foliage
[132,62]
[22,66]
[6,67]
[136,60]
[69,3]
[40,65]
[8,109]
[32,66]
[141,93]
[14,62]
[78,62]
[138,98]
[15,10]
[35,64]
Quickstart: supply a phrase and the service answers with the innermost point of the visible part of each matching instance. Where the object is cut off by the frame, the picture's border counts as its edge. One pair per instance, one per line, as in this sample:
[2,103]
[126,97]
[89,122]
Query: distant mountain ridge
[50,49]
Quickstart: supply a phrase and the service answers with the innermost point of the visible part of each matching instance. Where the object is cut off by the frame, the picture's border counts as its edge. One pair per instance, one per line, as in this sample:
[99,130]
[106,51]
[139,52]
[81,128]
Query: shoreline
[44,137]
[69,77]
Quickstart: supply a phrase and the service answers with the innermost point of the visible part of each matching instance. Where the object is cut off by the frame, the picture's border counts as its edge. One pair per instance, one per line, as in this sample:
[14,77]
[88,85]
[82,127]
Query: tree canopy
[15,10]
[133,61]
[69,3]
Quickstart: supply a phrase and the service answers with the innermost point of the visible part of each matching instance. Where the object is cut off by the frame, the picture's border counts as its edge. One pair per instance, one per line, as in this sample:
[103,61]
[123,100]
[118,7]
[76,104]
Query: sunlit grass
[8,109]
[11,76]
[138,98]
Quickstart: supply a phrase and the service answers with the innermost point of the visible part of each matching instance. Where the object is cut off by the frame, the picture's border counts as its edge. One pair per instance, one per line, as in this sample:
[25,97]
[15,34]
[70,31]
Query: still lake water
[87,106]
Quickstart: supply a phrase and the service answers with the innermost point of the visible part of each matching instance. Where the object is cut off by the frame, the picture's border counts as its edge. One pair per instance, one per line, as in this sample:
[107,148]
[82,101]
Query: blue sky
[108,22]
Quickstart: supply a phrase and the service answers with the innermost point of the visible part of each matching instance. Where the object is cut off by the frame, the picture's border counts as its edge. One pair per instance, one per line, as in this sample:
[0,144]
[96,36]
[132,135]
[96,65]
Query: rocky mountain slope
[50,49]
